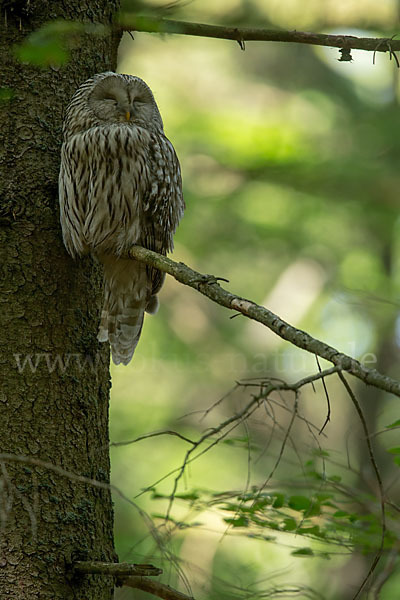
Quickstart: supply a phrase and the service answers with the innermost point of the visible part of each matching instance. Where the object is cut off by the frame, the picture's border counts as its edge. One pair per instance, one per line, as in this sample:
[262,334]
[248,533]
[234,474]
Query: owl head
[112,98]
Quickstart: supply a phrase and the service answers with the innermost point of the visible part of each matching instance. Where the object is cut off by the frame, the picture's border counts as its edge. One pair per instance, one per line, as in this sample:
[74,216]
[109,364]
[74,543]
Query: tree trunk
[54,376]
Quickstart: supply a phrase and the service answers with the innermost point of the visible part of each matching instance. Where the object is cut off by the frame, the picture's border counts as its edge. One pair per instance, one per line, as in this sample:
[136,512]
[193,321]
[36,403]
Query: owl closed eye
[116,100]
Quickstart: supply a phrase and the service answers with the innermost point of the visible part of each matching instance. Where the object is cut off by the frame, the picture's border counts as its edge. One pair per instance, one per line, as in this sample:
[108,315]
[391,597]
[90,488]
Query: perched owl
[119,185]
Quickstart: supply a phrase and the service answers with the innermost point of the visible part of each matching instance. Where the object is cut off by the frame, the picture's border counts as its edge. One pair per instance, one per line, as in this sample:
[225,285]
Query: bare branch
[161,590]
[154,434]
[209,286]
[218,433]
[132,22]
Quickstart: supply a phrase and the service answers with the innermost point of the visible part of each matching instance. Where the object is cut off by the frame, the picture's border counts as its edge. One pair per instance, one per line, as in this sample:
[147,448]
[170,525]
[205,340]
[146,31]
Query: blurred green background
[290,164]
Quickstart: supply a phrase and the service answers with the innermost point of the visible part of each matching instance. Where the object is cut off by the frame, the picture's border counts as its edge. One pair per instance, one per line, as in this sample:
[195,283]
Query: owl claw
[207,280]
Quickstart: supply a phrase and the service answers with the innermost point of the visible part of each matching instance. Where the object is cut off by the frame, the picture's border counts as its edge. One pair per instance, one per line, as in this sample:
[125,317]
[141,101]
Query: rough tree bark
[54,378]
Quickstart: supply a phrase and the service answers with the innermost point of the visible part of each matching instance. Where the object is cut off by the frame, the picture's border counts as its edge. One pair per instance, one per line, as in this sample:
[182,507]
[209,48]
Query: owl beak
[127,115]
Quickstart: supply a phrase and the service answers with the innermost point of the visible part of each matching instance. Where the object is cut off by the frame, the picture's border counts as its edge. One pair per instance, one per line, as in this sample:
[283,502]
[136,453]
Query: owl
[119,185]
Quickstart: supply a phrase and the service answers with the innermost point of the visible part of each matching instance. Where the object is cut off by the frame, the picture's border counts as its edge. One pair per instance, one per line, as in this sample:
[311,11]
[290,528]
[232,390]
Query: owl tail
[127,296]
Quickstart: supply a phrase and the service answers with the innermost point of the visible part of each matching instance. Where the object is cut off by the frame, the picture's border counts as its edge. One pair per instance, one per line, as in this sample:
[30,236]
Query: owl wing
[164,204]
[73,190]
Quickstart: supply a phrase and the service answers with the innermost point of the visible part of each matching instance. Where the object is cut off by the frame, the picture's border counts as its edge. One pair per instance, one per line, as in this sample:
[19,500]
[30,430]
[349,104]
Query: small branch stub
[115,569]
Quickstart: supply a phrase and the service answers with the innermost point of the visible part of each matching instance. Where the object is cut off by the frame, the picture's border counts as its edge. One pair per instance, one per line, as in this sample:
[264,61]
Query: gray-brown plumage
[119,185]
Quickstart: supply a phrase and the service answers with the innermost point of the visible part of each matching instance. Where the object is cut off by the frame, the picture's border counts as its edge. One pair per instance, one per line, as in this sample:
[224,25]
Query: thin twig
[224,428]
[133,22]
[153,434]
[235,420]
[328,414]
[378,479]
[209,286]
[282,449]
[386,572]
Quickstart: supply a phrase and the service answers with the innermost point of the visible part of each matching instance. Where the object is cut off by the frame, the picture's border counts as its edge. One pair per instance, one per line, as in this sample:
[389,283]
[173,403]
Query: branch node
[345,55]
[240,40]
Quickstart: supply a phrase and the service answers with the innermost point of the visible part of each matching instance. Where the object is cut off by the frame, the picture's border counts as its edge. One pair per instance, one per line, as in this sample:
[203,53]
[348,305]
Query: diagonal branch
[131,576]
[133,22]
[161,590]
[208,286]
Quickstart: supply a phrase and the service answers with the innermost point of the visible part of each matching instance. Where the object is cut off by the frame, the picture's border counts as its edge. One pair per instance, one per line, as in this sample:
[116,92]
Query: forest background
[290,163]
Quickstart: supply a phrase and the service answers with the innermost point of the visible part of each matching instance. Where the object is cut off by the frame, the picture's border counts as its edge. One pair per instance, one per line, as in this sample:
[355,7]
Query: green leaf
[188,496]
[50,52]
[394,450]
[50,44]
[395,424]
[230,507]
[315,530]
[266,538]
[299,502]
[238,522]
[303,552]
[236,440]
[260,504]
[163,517]
[324,497]
[279,500]
[319,452]
[289,524]
[314,510]
[353,518]
[341,513]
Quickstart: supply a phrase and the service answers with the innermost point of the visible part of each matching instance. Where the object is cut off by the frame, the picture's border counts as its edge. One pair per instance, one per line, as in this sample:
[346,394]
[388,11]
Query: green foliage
[396,452]
[394,424]
[50,44]
[303,552]
[332,519]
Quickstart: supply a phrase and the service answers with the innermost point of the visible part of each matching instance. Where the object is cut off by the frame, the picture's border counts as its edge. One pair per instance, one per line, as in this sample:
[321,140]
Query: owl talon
[207,280]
